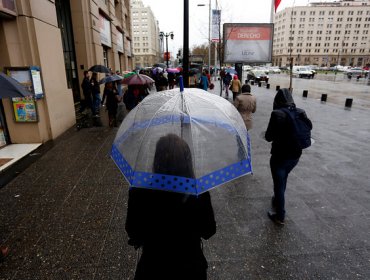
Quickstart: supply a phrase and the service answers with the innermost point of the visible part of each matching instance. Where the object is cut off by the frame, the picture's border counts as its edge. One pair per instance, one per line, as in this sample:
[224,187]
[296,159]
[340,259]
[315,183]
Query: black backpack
[301,126]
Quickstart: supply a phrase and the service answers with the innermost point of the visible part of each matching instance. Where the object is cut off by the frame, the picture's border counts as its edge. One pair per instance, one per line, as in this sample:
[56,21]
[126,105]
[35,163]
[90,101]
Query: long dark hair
[173,157]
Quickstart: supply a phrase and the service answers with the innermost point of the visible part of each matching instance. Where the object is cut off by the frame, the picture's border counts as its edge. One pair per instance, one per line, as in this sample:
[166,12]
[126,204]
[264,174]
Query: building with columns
[145,33]
[46,45]
[323,34]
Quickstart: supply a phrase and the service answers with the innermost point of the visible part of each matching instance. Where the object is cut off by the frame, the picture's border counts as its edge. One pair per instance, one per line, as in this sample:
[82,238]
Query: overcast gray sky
[169,13]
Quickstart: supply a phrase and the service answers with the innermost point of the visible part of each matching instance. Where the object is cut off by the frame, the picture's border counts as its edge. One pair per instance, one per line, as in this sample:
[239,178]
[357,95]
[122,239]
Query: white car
[275,70]
[302,72]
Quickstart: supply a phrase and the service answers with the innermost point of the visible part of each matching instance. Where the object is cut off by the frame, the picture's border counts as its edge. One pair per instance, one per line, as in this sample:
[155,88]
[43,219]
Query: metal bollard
[277,88]
[324,97]
[259,84]
[267,86]
[305,93]
[348,103]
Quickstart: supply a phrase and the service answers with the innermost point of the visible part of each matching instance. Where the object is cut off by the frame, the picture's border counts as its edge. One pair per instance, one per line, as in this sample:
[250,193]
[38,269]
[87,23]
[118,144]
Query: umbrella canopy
[157,70]
[129,74]
[231,71]
[112,78]
[173,70]
[138,80]
[10,87]
[211,126]
[161,65]
[99,69]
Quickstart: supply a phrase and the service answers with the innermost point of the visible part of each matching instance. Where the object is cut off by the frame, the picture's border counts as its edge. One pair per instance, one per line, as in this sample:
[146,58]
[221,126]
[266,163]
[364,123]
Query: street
[64,216]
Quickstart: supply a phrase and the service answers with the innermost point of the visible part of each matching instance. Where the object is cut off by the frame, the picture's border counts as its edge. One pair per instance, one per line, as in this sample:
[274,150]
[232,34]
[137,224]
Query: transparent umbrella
[210,125]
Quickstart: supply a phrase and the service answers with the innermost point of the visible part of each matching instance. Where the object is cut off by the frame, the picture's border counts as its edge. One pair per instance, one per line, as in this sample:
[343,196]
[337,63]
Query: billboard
[248,42]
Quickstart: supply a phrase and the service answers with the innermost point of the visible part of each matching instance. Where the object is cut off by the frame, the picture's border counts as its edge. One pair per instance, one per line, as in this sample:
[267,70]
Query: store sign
[216,19]
[105,31]
[120,42]
[248,42]
[8,7]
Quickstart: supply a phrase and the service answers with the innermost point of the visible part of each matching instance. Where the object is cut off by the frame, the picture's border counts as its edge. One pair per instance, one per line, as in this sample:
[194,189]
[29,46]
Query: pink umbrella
[138,80]
[173,70]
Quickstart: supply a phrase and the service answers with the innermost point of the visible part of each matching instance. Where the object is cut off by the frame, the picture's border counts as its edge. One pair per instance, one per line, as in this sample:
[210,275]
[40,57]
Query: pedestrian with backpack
[289,130]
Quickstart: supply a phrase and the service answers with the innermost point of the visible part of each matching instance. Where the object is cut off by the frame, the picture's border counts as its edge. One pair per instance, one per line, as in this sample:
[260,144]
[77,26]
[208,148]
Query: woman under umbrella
[113,98]
[168,225]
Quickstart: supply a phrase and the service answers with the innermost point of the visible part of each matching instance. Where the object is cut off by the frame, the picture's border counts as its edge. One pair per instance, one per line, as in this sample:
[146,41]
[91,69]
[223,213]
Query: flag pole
[272,11]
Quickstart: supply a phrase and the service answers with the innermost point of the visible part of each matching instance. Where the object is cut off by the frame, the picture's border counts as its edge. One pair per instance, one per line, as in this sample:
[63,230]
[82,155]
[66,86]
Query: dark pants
[280,169]
[87,103]
[235,94]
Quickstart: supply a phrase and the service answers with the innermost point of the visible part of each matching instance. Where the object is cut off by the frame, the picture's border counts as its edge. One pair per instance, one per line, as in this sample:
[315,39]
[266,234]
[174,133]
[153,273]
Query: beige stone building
[46,45]
[145,33]
[323,34]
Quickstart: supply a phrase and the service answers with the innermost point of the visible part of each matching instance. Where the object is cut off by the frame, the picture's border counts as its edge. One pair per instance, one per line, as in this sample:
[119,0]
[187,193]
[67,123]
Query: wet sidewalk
[64,216]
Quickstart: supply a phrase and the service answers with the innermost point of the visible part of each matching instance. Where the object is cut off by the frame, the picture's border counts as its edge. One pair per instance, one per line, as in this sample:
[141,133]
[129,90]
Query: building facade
[323,34]
[60,39]
[145,33]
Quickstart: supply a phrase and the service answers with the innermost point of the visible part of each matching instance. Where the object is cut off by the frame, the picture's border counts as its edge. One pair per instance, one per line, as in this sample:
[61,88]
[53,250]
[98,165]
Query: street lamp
[161,35]
[209,34]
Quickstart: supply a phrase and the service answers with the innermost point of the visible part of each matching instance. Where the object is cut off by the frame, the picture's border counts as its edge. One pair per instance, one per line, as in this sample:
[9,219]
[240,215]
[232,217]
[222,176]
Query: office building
[145,33]
[323,34]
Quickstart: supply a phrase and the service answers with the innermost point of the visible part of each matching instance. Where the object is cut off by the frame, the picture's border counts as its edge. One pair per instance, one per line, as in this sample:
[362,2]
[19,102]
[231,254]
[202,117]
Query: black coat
[169,226]
[280,132]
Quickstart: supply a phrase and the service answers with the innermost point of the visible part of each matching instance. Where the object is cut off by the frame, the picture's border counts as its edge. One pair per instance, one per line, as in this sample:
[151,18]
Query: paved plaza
[63,217]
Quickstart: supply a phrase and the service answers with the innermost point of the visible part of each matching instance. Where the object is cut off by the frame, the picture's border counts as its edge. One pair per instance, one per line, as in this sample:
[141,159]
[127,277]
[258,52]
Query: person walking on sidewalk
[285,151]
[226,80]
[203,83]
[95,86]
[236,86]
[246,104]
[86,90]
[169,226]
[113,98]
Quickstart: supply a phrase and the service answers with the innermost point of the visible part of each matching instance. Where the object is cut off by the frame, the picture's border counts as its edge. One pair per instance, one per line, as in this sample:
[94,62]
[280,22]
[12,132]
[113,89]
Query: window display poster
[24,110]
[37,85]
[29,78]
[23,76]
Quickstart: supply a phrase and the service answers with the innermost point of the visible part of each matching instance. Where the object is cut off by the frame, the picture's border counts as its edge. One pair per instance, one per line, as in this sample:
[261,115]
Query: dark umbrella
[99,69]
[10,87]
[138,80]
[112,78]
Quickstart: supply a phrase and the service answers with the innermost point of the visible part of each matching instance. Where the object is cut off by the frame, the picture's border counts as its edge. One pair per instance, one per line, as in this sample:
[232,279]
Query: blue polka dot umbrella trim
[180,184]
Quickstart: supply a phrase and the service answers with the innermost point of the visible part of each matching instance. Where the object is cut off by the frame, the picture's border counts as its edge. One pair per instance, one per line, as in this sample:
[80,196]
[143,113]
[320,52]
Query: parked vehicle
[355,72]
[247,67]
[275,70]
[302,72]
[257,76]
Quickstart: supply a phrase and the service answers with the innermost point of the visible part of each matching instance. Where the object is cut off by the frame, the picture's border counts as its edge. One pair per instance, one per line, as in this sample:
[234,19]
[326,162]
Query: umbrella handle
[181,82]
